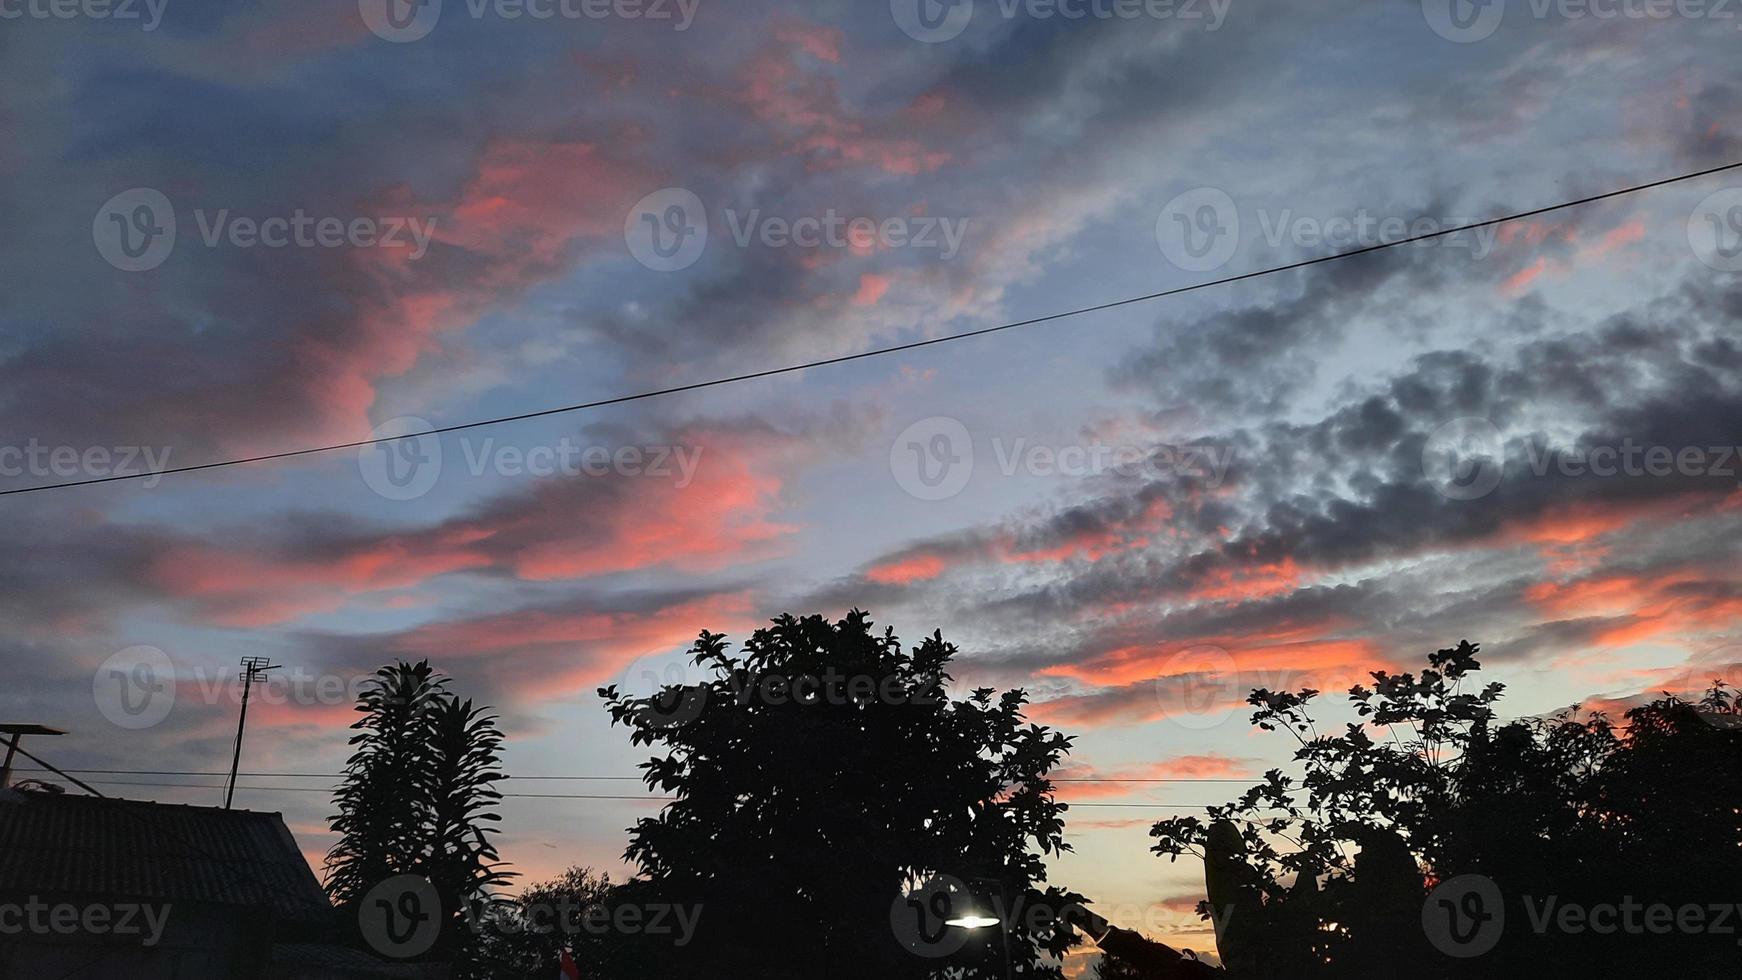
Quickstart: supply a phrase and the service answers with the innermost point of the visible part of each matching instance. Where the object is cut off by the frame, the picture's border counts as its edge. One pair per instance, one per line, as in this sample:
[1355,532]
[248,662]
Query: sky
[244,228]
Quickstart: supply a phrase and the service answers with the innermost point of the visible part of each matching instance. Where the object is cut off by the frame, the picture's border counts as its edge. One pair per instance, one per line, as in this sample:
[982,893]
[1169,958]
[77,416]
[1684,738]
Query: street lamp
[973,922]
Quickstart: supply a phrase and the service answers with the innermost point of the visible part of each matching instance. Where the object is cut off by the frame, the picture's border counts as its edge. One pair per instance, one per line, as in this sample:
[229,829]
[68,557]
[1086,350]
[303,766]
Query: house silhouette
[100,887]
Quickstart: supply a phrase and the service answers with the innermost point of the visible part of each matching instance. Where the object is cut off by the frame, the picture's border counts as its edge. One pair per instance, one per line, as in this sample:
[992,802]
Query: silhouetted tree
[1112,968]
[822,774]
[1325,877]
[524,938]
[419,797]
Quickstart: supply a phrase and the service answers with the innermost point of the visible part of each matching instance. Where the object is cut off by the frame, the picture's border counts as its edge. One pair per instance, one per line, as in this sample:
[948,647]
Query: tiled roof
[69,844]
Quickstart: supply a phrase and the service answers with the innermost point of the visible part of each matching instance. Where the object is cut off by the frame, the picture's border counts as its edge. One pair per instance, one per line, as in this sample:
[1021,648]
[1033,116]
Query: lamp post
[973,922]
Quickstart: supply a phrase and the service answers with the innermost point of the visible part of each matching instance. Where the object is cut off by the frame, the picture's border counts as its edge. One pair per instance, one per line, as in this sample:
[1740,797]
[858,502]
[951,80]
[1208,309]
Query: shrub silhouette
[418,798]
[1326,877]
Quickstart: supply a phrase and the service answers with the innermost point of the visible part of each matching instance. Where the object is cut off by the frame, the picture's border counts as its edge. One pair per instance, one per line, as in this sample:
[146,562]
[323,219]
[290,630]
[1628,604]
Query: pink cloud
[1087,783]
[557,653]
[871,289]
[903,571]
[804,110]
[560,528]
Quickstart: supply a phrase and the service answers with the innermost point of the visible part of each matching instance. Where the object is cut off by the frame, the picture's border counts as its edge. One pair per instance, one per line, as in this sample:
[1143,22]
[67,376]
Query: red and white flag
[568,970]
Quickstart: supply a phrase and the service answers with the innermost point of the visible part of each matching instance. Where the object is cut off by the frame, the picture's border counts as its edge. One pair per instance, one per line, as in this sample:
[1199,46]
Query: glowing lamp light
[971,922]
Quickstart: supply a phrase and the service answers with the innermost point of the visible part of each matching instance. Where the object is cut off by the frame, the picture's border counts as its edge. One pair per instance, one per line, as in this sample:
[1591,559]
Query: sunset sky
[1167,503]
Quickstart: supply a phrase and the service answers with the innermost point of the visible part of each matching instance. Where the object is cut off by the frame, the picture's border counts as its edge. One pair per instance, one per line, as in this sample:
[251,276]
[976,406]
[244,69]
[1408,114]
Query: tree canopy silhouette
[821,777]
[1329,876]
[524,938]
[418,797]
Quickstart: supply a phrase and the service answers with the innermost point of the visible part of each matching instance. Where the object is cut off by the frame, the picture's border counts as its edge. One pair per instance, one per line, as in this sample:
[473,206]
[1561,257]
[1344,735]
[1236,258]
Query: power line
[894,349]
[340,775]
[581,796]
[276,775]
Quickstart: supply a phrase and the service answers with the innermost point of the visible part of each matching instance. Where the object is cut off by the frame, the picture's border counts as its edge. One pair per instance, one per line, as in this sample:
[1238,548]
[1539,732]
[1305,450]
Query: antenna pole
[252,667]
